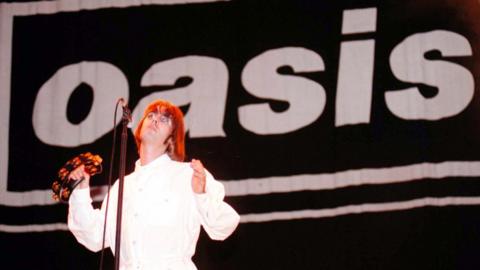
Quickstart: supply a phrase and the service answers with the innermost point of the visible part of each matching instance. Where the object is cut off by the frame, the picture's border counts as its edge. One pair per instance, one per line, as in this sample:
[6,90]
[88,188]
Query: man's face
[156,128]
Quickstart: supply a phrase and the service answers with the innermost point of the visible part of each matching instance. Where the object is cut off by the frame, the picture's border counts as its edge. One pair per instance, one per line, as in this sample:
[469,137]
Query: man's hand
[199,177]
[78,174]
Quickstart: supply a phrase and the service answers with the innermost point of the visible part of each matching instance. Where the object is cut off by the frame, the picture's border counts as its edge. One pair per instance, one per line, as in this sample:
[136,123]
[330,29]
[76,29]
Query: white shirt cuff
[81,195]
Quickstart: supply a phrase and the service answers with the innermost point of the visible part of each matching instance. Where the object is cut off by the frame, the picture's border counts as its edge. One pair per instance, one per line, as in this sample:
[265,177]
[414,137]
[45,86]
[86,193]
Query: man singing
[165,200]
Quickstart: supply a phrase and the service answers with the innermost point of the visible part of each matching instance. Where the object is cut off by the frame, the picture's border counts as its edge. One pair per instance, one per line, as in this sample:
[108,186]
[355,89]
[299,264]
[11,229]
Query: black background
[135,38]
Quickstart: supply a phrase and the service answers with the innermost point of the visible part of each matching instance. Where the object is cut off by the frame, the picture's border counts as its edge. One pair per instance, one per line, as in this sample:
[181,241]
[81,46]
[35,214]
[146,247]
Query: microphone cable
[112,154]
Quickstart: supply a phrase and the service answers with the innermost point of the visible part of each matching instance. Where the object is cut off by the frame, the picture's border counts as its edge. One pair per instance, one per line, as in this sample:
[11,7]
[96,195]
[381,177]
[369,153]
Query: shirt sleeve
[85,222]
[217,217]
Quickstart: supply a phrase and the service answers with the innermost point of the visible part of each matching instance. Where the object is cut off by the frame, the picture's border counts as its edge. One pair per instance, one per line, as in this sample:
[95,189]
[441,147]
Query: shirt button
[135,214]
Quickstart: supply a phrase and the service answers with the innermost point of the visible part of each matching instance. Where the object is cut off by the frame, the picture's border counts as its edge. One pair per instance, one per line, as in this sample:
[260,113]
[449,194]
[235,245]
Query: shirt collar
[162,159]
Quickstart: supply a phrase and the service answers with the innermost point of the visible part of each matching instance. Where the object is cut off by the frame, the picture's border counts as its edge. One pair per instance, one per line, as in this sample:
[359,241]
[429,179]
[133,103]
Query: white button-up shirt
[161,216]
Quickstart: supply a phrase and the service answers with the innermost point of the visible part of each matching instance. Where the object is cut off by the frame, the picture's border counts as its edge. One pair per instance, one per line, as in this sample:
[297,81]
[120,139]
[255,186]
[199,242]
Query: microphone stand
[126,118]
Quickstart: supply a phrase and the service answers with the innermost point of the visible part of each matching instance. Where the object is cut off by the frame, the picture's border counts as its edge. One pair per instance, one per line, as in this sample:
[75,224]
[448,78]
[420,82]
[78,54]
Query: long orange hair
[176,150]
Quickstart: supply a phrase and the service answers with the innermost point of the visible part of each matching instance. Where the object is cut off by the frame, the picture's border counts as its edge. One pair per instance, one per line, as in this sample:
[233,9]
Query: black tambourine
[62,187]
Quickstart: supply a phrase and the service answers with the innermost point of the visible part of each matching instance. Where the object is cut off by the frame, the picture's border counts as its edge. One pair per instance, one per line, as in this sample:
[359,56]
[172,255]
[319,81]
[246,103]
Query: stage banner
[346,133]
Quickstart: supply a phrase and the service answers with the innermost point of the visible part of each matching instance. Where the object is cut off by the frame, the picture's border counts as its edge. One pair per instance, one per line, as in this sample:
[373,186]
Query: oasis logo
[285,73]
[207,92]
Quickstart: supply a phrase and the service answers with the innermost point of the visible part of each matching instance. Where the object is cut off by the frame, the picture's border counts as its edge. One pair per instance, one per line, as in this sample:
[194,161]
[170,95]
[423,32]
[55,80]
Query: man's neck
[148,154]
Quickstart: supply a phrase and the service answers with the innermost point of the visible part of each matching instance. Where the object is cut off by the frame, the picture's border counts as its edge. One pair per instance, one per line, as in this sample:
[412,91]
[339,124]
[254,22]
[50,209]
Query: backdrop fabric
[346,133]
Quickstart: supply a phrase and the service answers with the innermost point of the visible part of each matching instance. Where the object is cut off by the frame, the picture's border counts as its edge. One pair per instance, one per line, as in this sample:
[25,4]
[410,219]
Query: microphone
[127,114]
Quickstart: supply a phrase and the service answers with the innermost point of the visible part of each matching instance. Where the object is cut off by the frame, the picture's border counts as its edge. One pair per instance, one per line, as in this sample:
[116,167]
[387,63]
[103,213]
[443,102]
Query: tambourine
[62,187]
